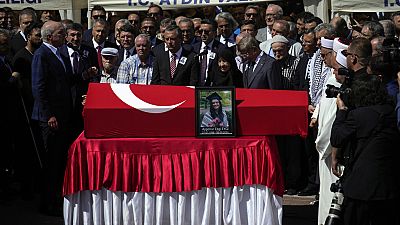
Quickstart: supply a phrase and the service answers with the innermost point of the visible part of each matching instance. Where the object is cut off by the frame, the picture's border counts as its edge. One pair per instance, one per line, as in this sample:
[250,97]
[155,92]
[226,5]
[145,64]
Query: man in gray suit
[272,13]
[257,65]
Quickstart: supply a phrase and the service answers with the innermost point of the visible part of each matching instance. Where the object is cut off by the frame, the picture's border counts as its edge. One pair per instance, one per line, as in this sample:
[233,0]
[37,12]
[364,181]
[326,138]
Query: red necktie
[173,65]
[99,56]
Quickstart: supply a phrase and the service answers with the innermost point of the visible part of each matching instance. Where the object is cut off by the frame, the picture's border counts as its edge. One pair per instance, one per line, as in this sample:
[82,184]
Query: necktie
[203,65]
[249,70]
[99,57]
[75,62]
[173,65]
[127,54]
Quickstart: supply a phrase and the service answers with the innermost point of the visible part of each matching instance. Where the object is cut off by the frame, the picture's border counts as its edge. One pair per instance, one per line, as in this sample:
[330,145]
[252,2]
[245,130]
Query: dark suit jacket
[107,44]
[187,74]
[262,76]
[373,136]
[87,36]
[121,55]
[51,86]
[17,42]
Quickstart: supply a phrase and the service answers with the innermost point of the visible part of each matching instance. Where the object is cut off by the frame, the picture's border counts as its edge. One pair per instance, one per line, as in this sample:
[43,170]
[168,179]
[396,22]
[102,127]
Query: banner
[37,4]
[141,5]
[365,5]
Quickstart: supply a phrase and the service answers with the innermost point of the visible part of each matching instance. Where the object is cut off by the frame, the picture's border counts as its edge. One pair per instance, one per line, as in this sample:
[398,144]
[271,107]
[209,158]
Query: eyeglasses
[152,14]
[307,42]
[204,31]
[96,17]
[251,14]
[325,55]
[346,53]
[134,21]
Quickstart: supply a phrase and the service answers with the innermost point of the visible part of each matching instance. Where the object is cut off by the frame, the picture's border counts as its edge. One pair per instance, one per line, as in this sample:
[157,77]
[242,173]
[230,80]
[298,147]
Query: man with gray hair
[257,65]
[52,79]
[281,27]
[226,25]
[120,23]
[137,69]
[389,28]
[272,13]
[372,29]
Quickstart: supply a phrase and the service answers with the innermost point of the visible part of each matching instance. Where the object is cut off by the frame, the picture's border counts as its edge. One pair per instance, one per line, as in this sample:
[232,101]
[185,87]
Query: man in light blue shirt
[138,68]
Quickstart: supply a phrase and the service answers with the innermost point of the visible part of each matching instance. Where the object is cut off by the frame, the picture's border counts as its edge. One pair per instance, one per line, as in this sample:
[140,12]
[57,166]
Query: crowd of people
[46,66]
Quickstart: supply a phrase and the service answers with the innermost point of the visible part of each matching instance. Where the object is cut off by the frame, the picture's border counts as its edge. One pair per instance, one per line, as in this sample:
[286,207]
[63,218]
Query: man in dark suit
[18,40]
[127,40]
[98,12]
[83,61]
[98,41]
[226,25]
[208,49]
[52,78]
[187,27]
[177,66]
[148,26]
[257,71]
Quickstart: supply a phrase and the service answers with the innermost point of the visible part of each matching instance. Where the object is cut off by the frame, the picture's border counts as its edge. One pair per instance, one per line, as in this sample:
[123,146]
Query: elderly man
[226,26]
[281,27]
[372,29]
[252,13]
[272,13]
[117,31]
[177,66]
[109,59]
[52,78]
[257,65]
[137,69]
[187,27]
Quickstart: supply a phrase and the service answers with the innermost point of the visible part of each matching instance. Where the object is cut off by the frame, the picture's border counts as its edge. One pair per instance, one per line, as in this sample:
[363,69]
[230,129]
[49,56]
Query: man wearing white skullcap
[327,114]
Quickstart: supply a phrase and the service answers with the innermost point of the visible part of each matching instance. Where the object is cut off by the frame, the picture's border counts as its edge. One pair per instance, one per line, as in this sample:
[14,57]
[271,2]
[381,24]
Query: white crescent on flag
[123,92]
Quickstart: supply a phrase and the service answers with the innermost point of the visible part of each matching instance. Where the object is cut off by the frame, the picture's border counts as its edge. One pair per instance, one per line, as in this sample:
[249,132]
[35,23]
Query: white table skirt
[244,205]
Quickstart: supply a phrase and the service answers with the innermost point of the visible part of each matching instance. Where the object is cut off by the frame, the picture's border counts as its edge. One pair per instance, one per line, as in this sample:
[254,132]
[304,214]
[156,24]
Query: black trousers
[56,144]
[377,212]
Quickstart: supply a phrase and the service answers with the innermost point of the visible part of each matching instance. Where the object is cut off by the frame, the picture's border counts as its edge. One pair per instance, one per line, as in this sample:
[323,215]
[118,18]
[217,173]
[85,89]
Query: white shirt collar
[209,45]
[178,53]
[23,35]
[51,47]
[95,44]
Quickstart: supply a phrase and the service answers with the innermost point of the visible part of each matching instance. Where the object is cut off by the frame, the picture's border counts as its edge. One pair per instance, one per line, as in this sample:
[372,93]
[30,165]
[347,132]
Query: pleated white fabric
[244,205]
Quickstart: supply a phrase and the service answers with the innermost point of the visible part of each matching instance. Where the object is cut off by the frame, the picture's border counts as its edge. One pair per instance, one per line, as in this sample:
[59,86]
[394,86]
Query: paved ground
[296,211]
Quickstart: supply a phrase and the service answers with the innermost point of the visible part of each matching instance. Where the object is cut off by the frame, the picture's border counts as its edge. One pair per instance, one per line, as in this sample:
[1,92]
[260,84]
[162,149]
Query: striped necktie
[173,65]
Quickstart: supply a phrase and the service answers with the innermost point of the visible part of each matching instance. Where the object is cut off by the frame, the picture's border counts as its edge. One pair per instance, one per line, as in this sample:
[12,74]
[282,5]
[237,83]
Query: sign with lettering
[126,5]
[365,5]
[37,4]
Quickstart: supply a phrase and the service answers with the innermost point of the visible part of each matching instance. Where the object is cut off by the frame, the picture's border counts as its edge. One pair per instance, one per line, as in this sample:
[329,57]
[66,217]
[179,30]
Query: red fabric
[172,164]
[259,112]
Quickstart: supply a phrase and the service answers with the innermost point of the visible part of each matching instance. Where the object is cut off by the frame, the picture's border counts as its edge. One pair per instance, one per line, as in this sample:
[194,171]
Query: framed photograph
[215,112]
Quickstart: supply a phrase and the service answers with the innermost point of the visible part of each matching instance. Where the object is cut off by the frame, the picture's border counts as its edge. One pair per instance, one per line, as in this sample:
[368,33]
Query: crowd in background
[46,65]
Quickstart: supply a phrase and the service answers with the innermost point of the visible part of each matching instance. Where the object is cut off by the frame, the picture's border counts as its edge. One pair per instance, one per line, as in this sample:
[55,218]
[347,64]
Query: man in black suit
[226,26]
[187,27]
[52,79]
[83,60]
[208,49]
[98,12]
[127,40]
[148,26]
[18,40]
[257,70]
[98,42]
[177,66]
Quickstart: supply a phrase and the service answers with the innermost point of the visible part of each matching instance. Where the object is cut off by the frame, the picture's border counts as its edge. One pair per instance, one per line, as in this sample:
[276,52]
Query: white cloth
[318,8]
[327,115]
[252,205]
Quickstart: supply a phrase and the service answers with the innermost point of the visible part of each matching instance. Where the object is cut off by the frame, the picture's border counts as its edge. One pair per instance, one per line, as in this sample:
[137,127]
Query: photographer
[358,54]
[371,178]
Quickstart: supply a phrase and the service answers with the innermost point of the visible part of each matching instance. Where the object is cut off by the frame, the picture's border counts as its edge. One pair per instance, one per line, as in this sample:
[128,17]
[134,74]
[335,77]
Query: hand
[17,77]
[53,123]
[340,103]
[335,163]
[84,99]
[313,122]
[311,108]
[91,72]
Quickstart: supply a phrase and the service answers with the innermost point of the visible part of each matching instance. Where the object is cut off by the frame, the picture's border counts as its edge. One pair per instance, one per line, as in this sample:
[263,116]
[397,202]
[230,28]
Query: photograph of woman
[216,116]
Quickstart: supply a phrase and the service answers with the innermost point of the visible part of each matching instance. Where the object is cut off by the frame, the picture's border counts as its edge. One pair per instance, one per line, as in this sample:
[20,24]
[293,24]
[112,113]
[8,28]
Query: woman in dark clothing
[224,72]
[371,180]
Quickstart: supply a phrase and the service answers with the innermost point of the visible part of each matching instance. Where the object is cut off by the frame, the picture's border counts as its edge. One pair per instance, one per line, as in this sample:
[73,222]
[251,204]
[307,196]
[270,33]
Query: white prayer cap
[279,38]
[326,43]
[341,59]
[337,45]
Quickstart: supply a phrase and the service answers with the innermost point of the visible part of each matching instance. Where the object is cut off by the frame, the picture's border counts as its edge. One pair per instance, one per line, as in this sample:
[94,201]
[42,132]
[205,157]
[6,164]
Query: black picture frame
[210,124]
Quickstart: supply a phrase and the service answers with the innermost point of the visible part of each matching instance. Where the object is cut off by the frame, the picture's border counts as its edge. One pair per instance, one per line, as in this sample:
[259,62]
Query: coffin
[122,110]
